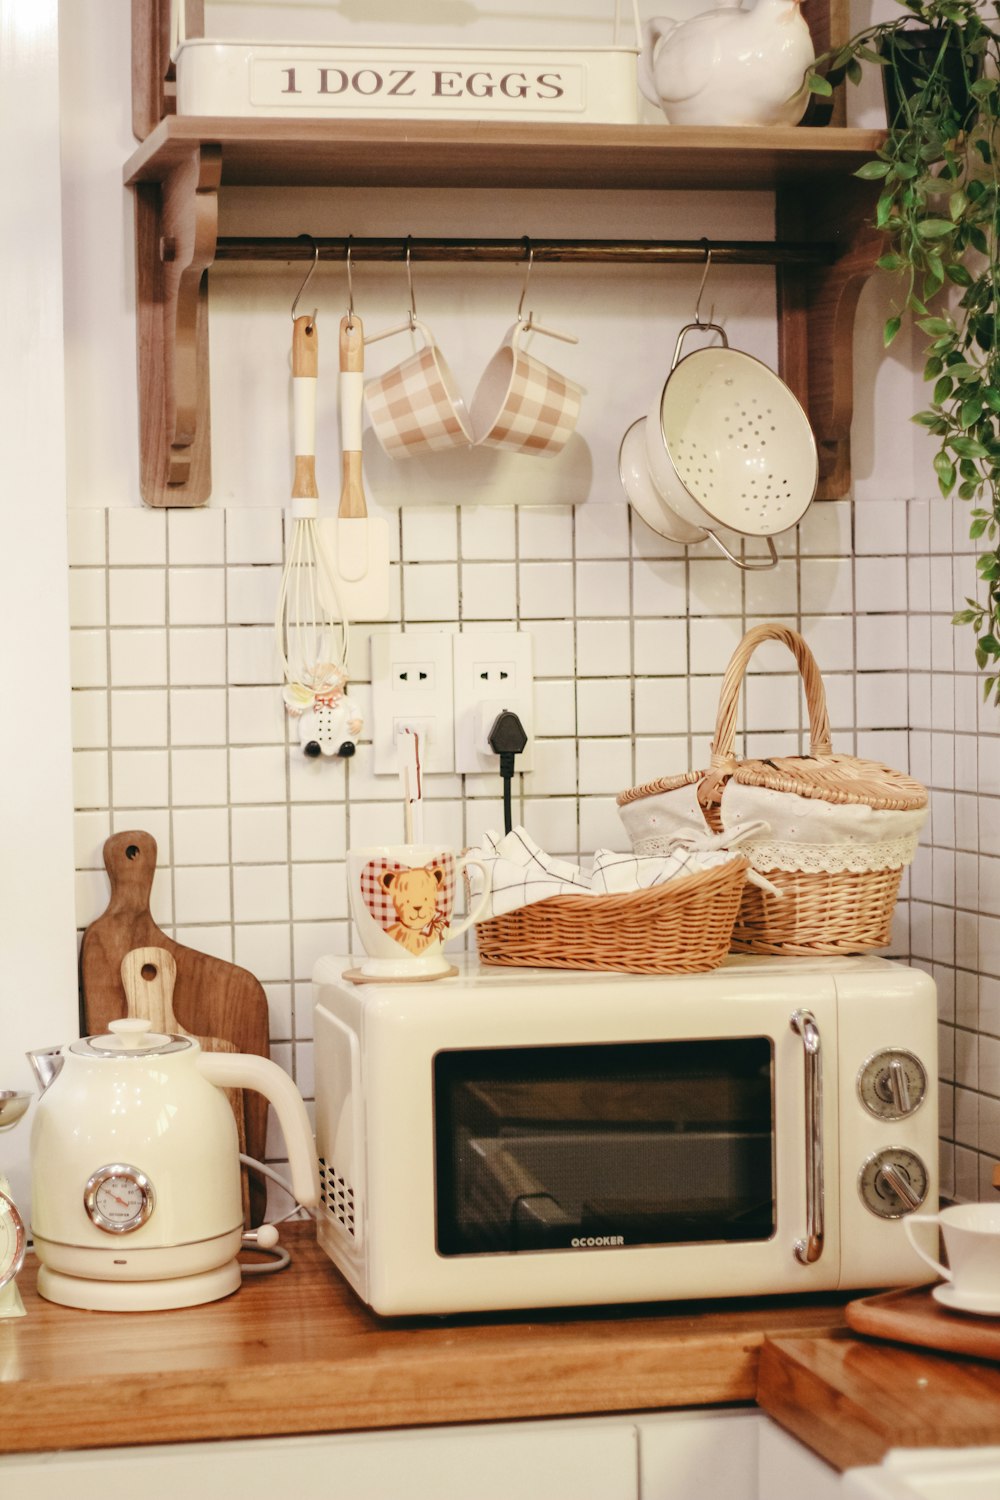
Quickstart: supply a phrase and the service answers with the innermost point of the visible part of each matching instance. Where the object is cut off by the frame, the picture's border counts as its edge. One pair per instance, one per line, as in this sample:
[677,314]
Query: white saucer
[985,1304]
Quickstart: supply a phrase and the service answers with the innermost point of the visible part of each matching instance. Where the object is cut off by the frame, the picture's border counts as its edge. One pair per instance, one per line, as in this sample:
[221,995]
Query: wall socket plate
[493,671]
[412,686]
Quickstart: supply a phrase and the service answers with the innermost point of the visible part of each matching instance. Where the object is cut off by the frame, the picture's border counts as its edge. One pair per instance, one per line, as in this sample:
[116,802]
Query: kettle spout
[46,1064]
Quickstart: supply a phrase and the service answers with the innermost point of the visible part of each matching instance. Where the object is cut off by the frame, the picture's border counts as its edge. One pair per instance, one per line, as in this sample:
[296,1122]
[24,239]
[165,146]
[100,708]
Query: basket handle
[724,761]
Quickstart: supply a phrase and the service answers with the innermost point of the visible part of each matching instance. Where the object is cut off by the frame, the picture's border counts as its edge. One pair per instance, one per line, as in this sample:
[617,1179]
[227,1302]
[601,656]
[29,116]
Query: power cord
[507,739]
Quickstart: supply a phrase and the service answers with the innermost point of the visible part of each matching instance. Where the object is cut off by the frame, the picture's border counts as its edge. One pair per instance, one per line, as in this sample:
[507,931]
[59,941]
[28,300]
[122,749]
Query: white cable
[278,1255]
[266,1171]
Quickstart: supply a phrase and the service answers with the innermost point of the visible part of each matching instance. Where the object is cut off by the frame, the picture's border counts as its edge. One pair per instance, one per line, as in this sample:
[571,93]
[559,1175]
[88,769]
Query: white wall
[37,967]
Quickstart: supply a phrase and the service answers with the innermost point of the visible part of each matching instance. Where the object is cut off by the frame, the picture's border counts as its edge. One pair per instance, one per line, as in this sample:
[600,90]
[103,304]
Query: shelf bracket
[816,314]
[176,233]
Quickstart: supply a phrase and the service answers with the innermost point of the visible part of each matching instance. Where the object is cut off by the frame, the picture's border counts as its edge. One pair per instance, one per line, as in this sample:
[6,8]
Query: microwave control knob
[893,1182]
[892,1084]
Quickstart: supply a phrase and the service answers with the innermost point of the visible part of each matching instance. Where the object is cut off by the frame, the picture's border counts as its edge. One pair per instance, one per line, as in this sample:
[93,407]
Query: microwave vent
[337,1196]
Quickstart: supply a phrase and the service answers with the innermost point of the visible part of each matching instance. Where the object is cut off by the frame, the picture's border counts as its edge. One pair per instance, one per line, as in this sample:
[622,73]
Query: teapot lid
[130,1037]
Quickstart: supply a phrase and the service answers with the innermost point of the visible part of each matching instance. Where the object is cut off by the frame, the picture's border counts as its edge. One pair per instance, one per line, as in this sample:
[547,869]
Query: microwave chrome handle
[810,1248]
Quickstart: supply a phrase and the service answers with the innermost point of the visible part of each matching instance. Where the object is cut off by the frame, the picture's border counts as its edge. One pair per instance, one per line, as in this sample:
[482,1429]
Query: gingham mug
[522,404]
[402,900]
[416,406]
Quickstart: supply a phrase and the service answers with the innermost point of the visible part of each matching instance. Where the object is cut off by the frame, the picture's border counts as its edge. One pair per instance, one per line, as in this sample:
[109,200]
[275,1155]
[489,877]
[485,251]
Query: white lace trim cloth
[802,833]
[832,859]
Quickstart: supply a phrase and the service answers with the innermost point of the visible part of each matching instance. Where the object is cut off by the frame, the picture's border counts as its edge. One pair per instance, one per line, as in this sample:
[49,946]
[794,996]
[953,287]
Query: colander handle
[724,760]
[753,565]
[695,328]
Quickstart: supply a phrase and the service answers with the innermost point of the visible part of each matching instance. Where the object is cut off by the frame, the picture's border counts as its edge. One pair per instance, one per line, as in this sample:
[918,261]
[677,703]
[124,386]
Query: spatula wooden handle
[352,364]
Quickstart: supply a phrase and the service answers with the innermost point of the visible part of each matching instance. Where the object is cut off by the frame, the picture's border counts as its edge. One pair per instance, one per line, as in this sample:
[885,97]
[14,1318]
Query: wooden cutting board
[212,998]
[912,1316]
[148,978]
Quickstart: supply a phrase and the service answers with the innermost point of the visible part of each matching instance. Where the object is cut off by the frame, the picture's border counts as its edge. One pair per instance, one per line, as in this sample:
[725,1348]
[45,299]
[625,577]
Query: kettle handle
[244,1070]
[652,33]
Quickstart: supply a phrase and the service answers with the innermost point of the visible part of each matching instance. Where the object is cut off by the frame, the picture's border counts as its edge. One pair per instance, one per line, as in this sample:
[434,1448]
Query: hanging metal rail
[580,252]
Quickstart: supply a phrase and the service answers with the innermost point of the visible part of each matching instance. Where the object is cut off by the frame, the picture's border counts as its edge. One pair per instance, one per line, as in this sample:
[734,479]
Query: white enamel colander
[740,452]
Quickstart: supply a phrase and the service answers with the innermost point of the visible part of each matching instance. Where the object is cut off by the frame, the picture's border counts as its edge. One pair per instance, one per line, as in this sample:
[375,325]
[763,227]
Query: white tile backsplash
[631,635]
[197,596]
[137,537]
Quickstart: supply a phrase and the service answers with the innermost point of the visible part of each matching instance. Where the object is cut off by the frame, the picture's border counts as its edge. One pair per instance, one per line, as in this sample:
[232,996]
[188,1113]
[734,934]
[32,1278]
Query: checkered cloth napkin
[523,873]
[378,898]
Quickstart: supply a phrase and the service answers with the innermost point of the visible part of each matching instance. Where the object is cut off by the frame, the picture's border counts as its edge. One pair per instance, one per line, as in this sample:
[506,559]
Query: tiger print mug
[402,901]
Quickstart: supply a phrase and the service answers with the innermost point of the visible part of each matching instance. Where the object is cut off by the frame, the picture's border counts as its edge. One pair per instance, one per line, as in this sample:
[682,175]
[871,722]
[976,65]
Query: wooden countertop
[298,1352]
[852,1399]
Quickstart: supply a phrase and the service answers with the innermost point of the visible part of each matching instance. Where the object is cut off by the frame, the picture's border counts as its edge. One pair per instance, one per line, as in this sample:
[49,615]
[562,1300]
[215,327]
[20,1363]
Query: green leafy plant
[939,206]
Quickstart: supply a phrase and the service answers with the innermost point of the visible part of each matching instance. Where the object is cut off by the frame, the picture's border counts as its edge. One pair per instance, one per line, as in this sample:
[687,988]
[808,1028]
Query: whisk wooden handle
[305,368]
[305,348]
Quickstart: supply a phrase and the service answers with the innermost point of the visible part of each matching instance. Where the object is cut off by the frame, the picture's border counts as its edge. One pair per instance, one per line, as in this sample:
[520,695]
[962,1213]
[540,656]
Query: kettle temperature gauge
[119,1198]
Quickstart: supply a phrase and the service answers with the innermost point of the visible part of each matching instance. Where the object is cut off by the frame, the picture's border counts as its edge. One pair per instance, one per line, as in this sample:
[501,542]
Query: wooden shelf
[416,153]
[179,167]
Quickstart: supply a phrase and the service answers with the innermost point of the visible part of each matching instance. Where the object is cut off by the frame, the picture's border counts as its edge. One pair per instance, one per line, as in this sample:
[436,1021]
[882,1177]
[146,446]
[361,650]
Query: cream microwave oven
[514,1138]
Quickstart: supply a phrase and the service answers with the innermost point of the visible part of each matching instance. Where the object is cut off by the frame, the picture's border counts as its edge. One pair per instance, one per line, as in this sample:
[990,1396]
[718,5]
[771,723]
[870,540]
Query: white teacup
[402,899]
[972,1241]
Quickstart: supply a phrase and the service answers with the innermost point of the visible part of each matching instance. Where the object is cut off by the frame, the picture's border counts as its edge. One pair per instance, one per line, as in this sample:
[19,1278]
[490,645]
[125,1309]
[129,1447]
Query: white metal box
[592,85]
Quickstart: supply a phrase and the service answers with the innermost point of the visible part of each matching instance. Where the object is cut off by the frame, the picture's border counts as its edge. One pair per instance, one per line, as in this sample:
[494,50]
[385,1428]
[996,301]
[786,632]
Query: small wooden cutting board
[148,978]
[212,998]
[912,1316]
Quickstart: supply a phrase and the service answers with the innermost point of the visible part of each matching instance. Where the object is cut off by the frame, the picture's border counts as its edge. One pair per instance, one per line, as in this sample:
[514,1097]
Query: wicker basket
[846,911]
[683,926]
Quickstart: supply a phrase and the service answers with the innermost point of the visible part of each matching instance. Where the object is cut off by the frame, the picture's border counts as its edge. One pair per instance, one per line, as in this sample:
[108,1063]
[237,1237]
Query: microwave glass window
[658,1143]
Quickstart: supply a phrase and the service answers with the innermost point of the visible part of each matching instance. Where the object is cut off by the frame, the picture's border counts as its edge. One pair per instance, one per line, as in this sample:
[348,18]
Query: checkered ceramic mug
[402,900]
[416,406]
[521,404]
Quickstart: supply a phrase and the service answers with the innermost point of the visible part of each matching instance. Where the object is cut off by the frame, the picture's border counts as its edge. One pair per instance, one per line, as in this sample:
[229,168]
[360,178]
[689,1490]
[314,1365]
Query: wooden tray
[912,1316]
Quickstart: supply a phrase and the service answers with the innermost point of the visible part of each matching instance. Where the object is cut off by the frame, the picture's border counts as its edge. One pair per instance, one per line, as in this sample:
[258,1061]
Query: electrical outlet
[412,688]
[493,671]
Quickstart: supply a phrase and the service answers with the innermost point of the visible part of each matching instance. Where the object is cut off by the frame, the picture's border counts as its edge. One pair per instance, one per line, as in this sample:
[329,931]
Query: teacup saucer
[358,976]
[986,1304]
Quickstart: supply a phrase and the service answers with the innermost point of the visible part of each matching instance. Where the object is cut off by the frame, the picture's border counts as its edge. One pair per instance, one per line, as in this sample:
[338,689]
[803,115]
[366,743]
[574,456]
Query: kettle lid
[130,1037]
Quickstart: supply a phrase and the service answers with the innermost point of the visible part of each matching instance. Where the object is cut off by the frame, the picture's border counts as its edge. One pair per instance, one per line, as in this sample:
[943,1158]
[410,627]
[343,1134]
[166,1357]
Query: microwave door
[661,1143]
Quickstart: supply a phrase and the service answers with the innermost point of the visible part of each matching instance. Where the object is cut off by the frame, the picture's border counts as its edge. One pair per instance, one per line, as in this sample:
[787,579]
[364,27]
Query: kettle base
[138,1296]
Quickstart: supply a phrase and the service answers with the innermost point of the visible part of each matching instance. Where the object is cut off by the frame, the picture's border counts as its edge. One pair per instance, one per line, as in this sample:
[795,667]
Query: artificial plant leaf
[945,470]
[934,229]
[818,85]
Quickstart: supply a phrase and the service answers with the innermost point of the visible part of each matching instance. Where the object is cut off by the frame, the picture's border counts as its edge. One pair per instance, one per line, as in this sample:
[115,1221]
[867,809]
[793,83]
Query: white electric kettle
[135,1170]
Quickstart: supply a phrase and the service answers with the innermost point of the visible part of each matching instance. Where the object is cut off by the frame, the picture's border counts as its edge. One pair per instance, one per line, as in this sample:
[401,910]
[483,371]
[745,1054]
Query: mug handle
[908,1223]
[457,928]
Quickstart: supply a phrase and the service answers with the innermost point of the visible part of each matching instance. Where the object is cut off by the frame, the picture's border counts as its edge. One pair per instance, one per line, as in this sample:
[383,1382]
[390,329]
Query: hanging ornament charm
[329,721]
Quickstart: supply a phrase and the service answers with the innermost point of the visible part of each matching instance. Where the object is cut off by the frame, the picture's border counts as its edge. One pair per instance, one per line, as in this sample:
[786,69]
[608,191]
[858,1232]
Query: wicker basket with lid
[840,830]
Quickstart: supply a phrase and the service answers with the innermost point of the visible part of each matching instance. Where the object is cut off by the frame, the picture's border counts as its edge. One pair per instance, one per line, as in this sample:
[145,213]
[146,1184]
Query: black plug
[507,739]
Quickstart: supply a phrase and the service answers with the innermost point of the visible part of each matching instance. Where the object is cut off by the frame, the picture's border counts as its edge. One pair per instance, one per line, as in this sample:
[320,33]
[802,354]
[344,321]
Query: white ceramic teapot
[729,66]
[135,1170]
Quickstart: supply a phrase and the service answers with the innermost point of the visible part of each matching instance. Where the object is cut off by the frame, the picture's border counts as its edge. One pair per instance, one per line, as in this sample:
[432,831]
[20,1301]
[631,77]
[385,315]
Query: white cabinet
[727,1455]
[684,1455]
[588,1460]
